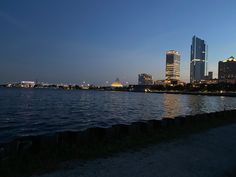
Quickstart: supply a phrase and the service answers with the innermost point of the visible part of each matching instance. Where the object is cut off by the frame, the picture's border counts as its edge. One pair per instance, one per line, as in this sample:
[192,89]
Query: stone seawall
[93,136]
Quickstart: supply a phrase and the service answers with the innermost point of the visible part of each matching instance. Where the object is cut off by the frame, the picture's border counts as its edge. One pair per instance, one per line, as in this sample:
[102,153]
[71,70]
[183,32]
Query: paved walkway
[209,154]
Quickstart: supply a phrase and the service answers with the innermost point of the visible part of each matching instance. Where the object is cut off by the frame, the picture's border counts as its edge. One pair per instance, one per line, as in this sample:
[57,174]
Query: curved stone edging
[92,136]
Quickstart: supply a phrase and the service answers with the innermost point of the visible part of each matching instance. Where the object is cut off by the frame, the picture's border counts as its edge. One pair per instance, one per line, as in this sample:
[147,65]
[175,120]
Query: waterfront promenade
[207,154]
[41,134]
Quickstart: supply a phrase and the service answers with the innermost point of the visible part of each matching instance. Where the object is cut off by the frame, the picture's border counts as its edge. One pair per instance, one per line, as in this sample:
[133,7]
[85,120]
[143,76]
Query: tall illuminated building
[198,61]
[227,70]
[172,65]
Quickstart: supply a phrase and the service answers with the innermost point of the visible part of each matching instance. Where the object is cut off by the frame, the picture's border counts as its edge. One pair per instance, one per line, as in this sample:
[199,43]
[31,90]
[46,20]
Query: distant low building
[27,84]
[117,83]
[210,75]
[227,71]
[209,81]
[145,79]
[159,82]
[174,82]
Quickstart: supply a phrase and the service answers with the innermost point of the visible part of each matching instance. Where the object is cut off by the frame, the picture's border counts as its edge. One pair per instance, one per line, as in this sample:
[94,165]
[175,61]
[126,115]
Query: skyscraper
[227,70]
[198,67]
[172,65]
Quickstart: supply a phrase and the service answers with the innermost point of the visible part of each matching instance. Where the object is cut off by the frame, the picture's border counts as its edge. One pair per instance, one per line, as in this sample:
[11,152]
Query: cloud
[11,20]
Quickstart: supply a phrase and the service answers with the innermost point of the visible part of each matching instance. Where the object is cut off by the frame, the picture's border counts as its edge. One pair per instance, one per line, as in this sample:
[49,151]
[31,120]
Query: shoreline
[143,90]
[227,94]
[46,153]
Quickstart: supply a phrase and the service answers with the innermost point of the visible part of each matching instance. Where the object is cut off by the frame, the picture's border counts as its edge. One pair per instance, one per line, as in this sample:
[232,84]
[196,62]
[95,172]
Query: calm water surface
[39,111]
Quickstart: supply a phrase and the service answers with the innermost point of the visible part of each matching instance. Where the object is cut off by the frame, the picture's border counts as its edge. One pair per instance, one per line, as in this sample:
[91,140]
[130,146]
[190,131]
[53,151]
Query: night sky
[72,41]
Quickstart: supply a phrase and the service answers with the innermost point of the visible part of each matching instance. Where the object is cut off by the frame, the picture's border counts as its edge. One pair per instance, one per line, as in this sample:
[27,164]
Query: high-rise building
[227,70]
[145,79]
[198,63]
[172,65]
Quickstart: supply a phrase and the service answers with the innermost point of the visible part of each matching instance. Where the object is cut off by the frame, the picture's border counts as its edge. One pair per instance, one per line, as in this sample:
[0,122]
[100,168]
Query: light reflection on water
[175,105]
[39,111]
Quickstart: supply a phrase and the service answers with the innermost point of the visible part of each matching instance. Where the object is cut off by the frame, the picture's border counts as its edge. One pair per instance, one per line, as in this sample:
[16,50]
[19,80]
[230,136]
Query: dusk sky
[72,41]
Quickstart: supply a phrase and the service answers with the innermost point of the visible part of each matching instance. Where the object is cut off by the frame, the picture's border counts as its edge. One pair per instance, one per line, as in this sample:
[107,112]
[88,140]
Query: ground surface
[207,154]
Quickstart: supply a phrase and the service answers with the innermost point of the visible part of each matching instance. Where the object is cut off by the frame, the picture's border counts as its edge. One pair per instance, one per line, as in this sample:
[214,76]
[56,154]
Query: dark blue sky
[71,41]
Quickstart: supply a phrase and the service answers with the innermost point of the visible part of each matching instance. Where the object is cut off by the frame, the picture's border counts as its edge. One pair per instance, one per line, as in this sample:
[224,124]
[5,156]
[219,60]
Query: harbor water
[25,112]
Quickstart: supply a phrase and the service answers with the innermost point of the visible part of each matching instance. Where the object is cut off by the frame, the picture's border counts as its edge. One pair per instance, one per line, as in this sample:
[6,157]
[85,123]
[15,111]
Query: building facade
[198,60]
[145,79]
[27,84]
[210,75]
[172,65]
[227,70]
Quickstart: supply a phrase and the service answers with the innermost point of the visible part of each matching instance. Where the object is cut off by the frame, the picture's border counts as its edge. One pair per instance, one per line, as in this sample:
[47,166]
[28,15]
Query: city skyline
[98,42]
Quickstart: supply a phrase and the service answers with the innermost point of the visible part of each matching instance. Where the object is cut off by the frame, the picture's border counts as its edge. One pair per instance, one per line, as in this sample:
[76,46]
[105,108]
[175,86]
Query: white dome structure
[117,83]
